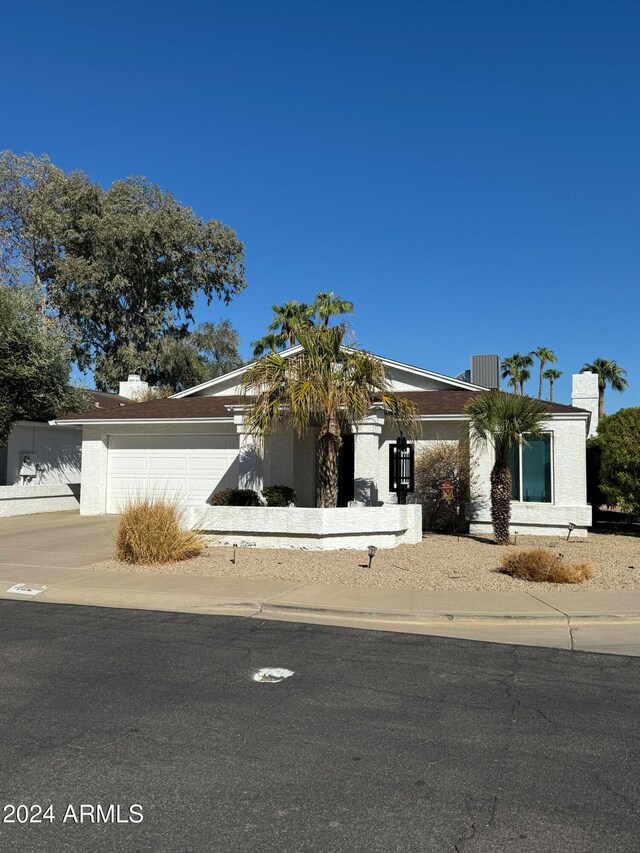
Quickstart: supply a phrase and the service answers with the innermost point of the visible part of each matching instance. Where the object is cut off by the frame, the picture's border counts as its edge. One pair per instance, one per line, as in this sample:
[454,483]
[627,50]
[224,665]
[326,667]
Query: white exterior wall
[310,529]
[56,451]
[569,486]
[585,394]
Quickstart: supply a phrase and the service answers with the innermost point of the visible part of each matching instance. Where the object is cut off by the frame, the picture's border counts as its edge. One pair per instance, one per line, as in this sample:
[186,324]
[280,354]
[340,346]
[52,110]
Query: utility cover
[27,589]
[270,675]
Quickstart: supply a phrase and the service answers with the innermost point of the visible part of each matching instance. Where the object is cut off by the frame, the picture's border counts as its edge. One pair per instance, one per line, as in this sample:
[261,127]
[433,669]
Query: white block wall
[56,450]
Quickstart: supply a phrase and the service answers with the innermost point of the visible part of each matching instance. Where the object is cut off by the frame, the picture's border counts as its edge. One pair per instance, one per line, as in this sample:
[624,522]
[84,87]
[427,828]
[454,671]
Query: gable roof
[399,365]
[430,404]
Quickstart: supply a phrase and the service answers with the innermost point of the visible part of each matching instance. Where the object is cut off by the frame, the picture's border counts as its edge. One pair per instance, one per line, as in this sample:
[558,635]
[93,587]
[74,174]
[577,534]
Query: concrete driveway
[55,539]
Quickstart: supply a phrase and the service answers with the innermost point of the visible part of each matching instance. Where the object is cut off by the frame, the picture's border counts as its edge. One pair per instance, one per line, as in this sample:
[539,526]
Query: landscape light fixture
[233,559]
[401,468]
[371,551]
[572,527]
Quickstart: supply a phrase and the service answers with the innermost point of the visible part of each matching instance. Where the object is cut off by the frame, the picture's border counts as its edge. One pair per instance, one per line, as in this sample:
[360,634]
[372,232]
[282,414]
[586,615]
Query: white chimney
[134,388]
[584,395]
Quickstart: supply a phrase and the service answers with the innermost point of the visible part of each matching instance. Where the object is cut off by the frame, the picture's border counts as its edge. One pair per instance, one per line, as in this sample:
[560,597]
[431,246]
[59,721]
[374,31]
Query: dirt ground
[438,562]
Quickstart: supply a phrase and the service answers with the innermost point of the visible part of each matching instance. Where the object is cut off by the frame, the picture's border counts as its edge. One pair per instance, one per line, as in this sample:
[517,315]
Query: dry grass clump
[540,565]
[149,531]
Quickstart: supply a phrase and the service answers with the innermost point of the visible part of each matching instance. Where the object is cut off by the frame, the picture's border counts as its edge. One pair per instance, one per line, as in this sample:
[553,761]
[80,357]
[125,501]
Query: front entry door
[346,470]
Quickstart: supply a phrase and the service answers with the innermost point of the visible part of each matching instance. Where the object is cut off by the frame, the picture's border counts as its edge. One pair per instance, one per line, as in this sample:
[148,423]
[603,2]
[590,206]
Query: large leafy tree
[502,420]
[327,385]
[544,356]
[208,351]
[609,373]
[35,362]
[121,267]
[619,445]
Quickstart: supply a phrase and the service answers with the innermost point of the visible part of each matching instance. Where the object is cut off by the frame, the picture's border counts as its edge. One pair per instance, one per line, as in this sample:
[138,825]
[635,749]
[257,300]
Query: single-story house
[195,443]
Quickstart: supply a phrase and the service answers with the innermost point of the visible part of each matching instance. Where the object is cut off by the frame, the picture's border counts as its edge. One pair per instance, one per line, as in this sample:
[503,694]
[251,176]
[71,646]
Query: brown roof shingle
[429,403]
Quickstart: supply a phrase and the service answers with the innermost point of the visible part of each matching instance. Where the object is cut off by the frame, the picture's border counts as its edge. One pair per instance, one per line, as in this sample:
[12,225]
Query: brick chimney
[584,395]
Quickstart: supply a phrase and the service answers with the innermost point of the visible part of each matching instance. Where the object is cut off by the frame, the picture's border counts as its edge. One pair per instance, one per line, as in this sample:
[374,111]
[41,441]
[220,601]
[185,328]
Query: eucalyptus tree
[326,384]
[501,421]
[544,355]
[609,373]
[119,267]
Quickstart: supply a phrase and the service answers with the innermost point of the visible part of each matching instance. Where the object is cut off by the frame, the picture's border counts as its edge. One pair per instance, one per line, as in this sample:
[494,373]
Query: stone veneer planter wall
[24,500]
[309,528]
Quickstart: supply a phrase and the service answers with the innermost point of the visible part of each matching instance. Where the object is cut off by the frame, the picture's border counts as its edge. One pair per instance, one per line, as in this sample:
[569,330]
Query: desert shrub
[542,565]
[279,495]
[442,471]
[235,497]
[150,531]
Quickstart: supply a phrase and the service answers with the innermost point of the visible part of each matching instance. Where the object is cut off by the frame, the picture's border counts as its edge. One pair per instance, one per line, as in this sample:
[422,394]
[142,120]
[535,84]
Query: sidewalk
[578,621]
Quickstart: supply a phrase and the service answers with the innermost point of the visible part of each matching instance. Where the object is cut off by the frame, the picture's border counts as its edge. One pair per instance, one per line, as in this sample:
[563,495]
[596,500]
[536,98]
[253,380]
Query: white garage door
[183,467]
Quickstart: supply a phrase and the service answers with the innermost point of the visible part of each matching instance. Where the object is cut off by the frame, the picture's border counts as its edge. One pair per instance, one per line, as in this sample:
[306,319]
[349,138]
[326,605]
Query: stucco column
[366,441]
[250,465]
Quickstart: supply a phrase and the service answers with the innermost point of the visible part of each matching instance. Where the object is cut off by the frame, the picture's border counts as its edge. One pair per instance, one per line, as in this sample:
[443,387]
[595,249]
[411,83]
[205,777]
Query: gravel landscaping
[439,562]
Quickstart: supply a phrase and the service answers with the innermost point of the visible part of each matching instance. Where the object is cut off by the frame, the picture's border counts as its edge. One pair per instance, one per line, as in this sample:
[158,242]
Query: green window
[531,471]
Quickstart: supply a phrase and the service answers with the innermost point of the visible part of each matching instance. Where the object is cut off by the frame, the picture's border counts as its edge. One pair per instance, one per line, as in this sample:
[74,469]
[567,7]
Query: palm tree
[328,385]
[503,420]
[288,318]
[544,355]
[328,305]
[517,368]
[510,370]
[607,371]
[552,375]
[269,343]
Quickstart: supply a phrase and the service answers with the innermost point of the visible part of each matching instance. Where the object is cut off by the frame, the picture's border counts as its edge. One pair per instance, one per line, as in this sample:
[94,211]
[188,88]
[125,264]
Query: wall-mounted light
[401,468]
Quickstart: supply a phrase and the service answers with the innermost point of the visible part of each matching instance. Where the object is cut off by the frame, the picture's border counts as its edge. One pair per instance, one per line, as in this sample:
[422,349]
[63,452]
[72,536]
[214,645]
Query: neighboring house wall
[569,485]
[55,450]
[26,500]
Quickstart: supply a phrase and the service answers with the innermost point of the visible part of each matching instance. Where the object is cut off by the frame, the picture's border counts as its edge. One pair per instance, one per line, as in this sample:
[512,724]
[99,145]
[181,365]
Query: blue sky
[465,172]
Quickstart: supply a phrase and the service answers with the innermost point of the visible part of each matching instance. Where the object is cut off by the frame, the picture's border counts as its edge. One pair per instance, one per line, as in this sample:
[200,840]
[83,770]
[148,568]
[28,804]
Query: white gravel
[439,562]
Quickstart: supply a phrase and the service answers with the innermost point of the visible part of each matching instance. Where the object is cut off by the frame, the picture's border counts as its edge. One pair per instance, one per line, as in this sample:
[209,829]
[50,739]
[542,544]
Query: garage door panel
[184,468]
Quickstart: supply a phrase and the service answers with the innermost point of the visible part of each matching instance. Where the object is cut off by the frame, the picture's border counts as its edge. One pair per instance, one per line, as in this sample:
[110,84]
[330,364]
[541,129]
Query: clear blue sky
[466,172]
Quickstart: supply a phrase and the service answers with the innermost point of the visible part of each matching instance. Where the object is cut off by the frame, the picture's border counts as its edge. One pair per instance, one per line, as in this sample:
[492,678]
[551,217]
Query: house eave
[125,421]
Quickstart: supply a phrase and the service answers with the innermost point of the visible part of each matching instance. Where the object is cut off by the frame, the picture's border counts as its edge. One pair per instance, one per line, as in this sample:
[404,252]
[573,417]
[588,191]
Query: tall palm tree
[608,372]
[288,318]
[544,355]
[269,343]
[510,371]
[503,420]
[552,375]
[516,367]
[327,305]
[327,384]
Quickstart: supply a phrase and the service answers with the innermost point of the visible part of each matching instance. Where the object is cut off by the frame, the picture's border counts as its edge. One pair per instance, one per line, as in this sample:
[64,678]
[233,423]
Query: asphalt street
[378,742]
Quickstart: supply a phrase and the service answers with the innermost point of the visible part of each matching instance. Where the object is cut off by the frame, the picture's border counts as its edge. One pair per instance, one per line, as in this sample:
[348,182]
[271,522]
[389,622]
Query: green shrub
[619,442]
[150,531]
[279,495]
[235,497]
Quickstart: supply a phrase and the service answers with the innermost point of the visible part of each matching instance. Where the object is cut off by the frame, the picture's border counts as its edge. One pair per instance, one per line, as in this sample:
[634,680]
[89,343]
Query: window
[531,471]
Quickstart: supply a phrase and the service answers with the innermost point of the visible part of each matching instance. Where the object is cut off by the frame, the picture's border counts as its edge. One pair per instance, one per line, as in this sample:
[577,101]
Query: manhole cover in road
[27,589]
[271,676]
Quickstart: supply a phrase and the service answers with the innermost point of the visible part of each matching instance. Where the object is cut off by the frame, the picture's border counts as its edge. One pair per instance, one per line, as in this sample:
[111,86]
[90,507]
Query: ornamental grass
[541,565]
[150,531]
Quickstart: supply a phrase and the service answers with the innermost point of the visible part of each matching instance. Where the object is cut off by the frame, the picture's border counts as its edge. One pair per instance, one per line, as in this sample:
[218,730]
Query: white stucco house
[195,443]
